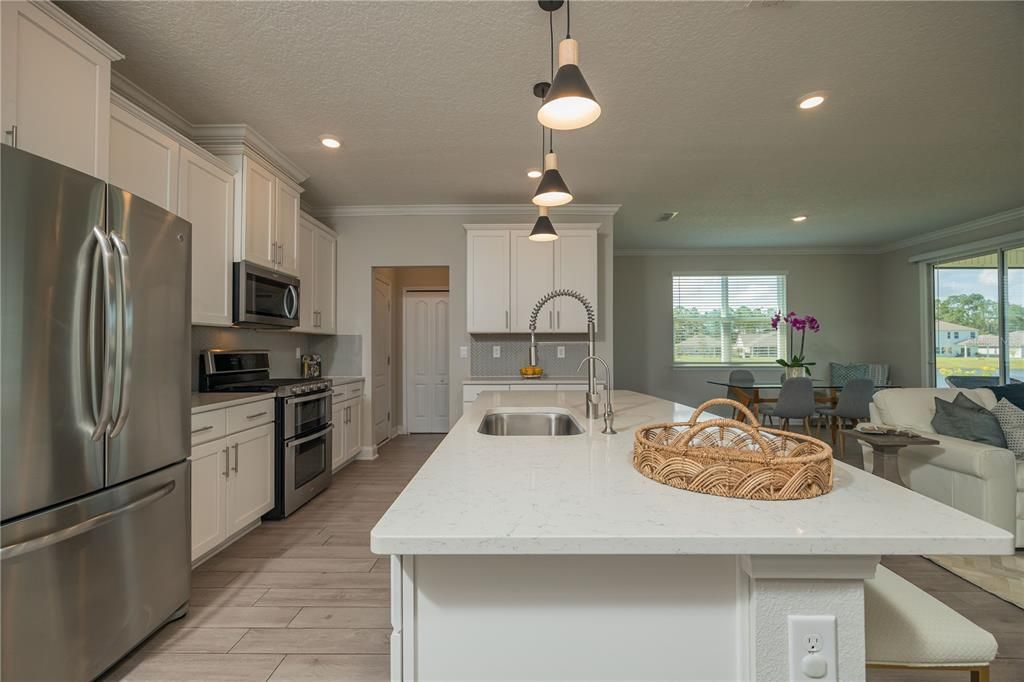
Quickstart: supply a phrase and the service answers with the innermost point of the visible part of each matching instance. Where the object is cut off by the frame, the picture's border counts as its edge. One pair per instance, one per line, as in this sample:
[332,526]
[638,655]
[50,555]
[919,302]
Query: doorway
[425,360]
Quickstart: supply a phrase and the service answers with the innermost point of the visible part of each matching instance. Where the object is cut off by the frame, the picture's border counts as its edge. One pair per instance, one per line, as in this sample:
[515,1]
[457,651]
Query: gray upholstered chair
[972,381]
[854,404]
[796,401]
[739,377]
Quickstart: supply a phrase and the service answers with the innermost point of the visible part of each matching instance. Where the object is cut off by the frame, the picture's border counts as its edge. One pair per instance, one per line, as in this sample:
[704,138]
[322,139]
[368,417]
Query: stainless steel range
[303,417]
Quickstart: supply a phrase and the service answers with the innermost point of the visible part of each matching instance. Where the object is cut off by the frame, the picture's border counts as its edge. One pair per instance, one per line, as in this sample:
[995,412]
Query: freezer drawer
[85,582]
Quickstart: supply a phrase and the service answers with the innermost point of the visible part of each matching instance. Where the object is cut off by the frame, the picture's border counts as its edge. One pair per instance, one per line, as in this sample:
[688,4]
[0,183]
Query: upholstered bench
[905,627]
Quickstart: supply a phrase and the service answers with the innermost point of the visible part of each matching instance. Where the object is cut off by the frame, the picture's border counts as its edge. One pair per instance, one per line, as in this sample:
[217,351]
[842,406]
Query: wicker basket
[733,459]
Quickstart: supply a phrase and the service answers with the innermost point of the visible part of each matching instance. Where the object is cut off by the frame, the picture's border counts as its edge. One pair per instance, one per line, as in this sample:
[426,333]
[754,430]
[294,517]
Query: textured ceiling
[924,127]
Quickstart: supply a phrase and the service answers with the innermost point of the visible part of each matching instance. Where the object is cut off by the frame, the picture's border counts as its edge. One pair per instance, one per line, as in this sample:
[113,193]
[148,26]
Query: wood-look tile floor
[304,599]
[298,599]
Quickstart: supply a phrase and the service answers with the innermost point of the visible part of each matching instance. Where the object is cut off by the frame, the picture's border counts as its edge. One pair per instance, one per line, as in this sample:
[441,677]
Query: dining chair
[970,381]
[739,377]
[853,405]
[795,401]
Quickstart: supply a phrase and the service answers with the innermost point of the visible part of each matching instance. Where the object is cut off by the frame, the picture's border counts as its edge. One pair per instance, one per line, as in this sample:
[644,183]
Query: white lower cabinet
[348,417]
[232,478]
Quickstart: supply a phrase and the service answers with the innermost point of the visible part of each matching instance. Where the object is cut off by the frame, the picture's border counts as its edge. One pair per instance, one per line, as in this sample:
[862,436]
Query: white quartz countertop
[480,494]
[205,402]
[545,379]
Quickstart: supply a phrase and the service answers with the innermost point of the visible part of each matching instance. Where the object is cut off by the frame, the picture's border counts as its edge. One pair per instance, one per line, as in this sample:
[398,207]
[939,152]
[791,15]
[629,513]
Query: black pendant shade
[543,230]
[552,190]
[569,104]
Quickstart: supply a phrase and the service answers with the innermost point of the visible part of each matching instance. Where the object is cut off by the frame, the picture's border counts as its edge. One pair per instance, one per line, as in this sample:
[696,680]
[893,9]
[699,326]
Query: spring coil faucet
[593,399]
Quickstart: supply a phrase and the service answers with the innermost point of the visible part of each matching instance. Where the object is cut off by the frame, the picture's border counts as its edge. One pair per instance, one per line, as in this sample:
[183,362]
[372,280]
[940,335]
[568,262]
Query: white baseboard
[368,452]
[399,431]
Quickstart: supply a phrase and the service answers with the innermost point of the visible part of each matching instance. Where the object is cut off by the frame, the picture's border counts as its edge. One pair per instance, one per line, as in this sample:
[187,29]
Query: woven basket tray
[732,458]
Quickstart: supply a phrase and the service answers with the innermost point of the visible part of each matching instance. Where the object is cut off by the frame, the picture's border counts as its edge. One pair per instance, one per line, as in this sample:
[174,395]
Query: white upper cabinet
[206,199]
[143,159]
[576,269]
[257,240]
[487,285]
[507,274]
[325,250]
[55,99]
[307,276]
[533,275]
[286,226]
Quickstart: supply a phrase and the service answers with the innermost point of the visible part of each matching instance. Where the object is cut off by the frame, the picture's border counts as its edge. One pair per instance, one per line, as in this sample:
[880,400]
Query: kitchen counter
[480,494]
[205,402]
[341,381]
[557,546]
[545,379]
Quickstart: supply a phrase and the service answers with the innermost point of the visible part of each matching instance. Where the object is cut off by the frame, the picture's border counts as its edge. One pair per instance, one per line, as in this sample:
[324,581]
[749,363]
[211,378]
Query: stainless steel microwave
[264,297]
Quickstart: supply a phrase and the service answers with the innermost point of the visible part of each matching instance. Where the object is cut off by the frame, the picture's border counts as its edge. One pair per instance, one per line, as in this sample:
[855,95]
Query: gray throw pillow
[963,401]
[967,423]
[1011,418]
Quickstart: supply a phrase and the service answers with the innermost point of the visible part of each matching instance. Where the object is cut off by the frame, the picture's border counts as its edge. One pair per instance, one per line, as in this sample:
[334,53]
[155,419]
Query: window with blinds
[726,319]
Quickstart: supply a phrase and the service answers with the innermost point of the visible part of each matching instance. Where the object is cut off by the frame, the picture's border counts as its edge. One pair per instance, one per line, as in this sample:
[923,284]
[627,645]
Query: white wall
[841,291]
[365,242]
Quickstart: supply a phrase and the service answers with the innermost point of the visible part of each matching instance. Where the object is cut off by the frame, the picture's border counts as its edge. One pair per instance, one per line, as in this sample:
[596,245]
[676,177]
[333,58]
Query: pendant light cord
[568,19]
[551,33]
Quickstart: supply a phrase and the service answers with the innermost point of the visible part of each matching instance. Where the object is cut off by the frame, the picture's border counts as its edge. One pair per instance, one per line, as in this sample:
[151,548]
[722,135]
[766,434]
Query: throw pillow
[1011,418]
[969,424]
[839,374]
[1012,392]
[963,401]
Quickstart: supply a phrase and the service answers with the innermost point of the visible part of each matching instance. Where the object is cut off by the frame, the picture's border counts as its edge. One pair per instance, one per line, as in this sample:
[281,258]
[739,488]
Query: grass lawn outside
[978,366]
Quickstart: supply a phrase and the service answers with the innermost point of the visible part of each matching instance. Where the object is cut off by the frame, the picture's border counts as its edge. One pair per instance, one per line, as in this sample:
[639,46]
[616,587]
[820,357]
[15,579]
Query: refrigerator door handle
[127,325]
[105,415]
[52,538]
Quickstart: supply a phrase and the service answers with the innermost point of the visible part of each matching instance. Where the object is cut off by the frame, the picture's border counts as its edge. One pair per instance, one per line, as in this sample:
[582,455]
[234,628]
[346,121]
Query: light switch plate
[495,351]
[561,351]
[463,351]
[298,353]
[812,641]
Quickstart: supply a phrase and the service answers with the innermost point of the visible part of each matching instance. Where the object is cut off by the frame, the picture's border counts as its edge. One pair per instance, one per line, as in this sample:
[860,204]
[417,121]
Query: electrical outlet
[495,351]
[561,351]
[298,353]
[463,351]
[812,648]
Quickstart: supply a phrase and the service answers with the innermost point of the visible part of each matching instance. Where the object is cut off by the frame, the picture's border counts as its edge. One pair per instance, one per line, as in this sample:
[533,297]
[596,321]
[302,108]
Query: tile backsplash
[515,353]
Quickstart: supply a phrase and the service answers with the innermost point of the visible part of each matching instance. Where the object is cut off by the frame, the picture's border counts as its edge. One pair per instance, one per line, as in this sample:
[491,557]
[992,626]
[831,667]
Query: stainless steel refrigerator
[94,541]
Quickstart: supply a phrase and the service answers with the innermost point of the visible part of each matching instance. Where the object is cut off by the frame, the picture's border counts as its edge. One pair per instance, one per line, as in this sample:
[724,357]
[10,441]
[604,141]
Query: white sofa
[981,480]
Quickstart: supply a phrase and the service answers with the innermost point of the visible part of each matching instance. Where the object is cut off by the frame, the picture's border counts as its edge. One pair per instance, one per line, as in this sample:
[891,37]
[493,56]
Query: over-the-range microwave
[264,297]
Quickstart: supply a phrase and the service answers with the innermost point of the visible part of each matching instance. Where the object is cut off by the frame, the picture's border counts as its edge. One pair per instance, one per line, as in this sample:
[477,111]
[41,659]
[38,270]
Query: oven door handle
[305,439]
[307,398]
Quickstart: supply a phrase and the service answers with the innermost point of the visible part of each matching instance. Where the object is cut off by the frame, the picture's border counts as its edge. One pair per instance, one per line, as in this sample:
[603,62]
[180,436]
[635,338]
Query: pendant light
[552,190]
[543,230]
[569,104]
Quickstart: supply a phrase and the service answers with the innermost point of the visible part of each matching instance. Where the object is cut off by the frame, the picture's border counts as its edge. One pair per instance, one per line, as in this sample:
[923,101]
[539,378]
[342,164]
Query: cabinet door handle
[227,462]
[348,414]
[258,414]
[235,468]
[273,253]
[202,428]
[558,317]
[13,134]
[551,319]
[506,319]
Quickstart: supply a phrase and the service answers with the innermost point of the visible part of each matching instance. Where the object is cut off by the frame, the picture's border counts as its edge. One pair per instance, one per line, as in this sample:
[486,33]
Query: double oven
[304,432]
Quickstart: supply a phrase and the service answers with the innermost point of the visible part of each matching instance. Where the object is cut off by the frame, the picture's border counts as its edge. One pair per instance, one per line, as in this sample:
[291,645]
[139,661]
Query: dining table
[826,392]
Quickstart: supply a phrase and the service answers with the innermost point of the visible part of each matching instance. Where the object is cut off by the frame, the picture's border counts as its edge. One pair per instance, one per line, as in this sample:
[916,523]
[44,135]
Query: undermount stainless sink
[534,423]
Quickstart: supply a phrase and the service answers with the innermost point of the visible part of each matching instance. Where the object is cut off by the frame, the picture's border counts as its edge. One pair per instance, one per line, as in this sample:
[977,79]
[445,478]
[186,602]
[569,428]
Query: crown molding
[767,251]
[238,138]
[460,210]
[153,107]
[81,32]
[953,230]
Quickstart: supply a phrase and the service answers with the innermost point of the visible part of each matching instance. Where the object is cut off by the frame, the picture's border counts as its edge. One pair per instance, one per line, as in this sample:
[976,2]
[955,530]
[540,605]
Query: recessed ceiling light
[533,173]
[330,141]
[798,218]
[812,100]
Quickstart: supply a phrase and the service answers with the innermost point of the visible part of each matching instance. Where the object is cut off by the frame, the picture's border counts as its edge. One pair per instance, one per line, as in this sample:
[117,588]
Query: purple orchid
[800,324]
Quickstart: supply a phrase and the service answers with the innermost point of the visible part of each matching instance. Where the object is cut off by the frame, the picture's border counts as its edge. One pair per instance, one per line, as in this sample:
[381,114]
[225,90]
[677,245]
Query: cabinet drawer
[242,417]
[355,390]
[208,426]
[341,393]
[473,391]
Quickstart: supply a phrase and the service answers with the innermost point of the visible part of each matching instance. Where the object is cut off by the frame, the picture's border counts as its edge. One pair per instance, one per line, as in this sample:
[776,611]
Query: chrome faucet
[609,413]
[593,399]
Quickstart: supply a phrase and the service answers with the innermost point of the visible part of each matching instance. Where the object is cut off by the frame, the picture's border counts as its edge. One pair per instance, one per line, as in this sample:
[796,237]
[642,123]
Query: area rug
[1002,576]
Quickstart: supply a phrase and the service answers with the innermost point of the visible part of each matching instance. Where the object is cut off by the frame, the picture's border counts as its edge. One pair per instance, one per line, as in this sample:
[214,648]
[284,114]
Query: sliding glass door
[978,317]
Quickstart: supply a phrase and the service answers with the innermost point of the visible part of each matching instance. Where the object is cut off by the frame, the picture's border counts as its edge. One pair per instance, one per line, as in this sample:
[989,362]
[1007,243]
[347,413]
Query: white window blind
[726,319]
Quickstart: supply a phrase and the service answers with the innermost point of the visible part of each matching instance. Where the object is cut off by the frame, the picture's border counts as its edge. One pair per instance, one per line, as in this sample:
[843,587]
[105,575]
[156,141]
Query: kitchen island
[550,557]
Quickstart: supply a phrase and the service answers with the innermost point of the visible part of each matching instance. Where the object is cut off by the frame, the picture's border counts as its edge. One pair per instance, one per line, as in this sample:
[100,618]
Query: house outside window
[725,319]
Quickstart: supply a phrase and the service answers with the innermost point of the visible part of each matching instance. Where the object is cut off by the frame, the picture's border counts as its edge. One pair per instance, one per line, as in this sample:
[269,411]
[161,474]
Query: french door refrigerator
[94,348]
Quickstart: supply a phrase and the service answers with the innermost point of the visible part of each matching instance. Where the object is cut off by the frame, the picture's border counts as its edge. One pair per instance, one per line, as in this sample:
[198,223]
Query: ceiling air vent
[665,217]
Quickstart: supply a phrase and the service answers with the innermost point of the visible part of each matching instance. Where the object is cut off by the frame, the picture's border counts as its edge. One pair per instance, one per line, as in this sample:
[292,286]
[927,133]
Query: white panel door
[426,361]
[206,199]
[325,249]
[56,90]
[380,315]
[287,227]
[487,286]
[143,160]
[307,278]
[251,476]
[209,483]
[259,242]
[533,276]
[576,269]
